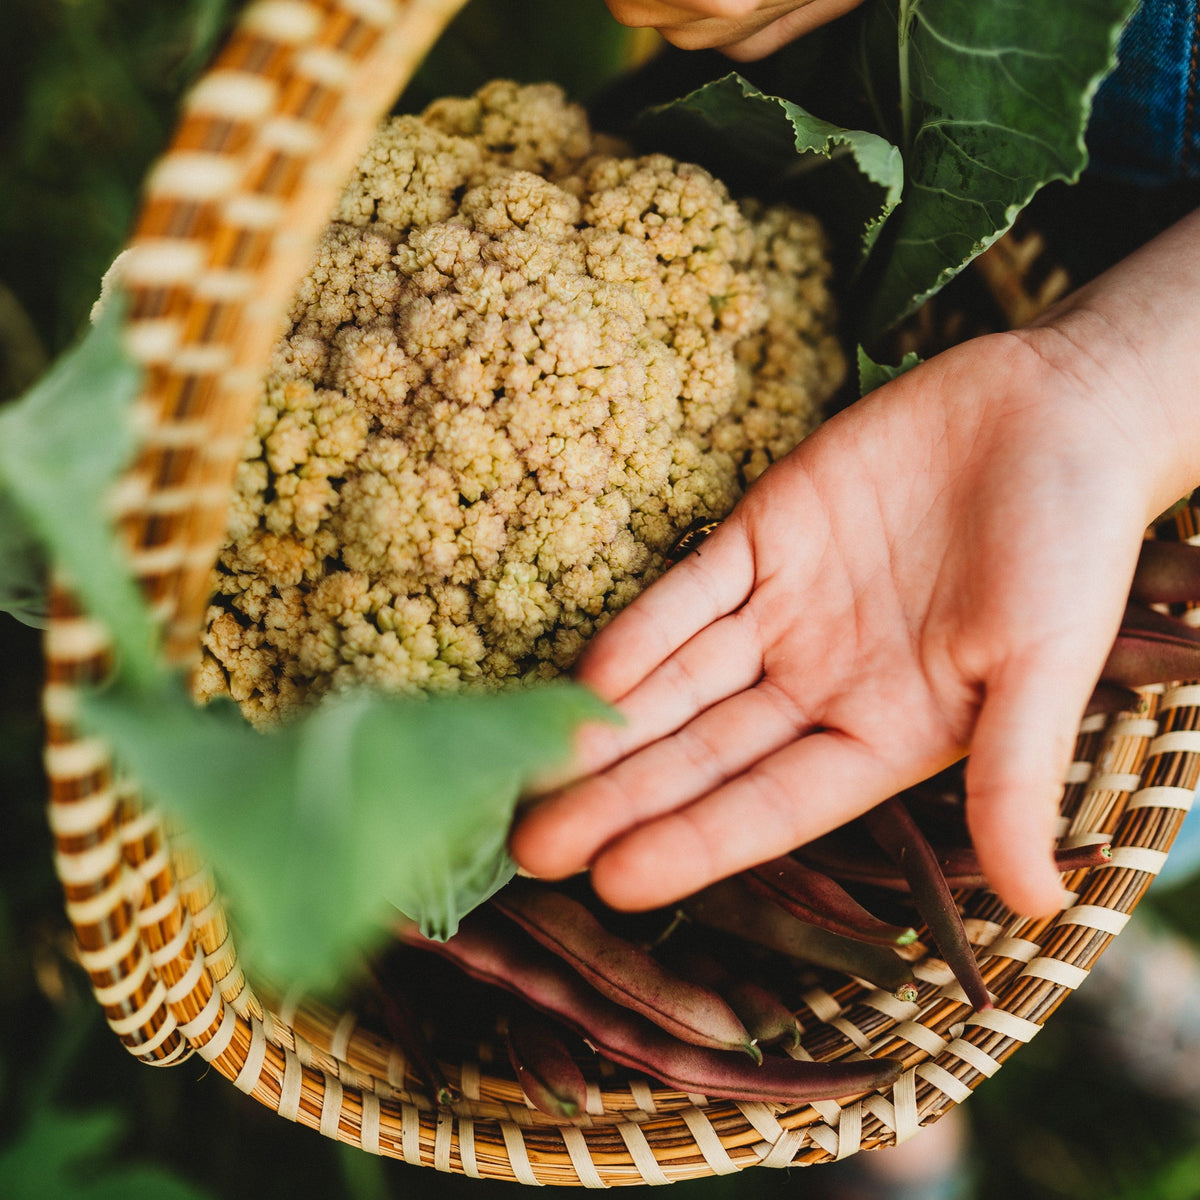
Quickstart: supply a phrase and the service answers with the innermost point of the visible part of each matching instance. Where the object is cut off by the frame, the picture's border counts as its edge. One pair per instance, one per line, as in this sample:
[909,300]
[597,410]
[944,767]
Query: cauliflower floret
[408,176]
[527,128]
[522,364]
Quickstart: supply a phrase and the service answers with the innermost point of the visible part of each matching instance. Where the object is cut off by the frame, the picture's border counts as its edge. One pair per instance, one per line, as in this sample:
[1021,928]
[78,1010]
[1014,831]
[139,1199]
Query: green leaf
[465,759]
[22,567]
[62,447]
[366,801]
[60,1156]
[744,135]
[872,374]
[994,100]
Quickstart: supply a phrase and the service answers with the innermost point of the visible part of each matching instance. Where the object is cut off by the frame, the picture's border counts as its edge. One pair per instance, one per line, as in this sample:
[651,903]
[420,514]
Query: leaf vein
[981,51]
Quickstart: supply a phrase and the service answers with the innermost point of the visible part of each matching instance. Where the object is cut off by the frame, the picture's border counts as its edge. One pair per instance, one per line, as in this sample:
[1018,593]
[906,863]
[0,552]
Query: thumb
[1023,744]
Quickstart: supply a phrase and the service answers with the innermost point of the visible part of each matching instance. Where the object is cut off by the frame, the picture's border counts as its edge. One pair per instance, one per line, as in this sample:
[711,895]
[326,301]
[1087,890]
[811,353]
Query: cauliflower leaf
[993,101]
[378,799]
[733,117]
[872,374]
[316,826]
[967,110]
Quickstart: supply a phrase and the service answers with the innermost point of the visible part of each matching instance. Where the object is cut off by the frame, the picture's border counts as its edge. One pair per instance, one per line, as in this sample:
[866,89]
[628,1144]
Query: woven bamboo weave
[230,216]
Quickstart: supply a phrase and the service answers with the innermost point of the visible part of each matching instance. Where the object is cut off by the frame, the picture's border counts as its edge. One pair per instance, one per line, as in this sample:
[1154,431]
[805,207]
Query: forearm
[1133,335]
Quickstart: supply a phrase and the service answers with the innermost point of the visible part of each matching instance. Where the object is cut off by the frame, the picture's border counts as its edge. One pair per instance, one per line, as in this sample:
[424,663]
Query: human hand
[942,566]
[743,29]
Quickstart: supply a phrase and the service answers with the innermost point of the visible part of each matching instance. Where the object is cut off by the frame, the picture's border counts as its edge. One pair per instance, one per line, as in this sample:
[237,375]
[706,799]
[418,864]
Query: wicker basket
[231,213]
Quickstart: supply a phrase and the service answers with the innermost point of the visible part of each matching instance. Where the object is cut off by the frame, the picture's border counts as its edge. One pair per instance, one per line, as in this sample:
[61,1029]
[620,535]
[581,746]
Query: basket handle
[229,221]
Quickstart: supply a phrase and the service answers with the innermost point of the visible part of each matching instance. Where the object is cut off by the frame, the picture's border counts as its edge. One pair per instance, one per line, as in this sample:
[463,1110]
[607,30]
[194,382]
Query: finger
[560,836]
[1022,746]
[790,797]
[723,659]
[708,584]
[657,13]
[720,661]
[787,29]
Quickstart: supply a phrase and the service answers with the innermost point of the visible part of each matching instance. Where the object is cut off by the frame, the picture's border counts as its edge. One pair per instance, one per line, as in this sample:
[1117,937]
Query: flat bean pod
[898,835]
[623,971]
[812,896]
[733,908]
[405,1030]
[544,1068]
[959,864]
[764,1014]
[1167,573]
[1109,697]
[491,949]
[1152,647]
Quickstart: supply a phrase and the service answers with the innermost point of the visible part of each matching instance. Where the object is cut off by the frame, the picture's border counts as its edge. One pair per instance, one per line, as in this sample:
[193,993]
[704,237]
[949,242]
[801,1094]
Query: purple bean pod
[812,896]
[764,1014]
[493,950]
[733,908]
[1167,573]
[1152,647]
[898,835]
[621,970]
[405,1030]
[544,1067]
[959,864]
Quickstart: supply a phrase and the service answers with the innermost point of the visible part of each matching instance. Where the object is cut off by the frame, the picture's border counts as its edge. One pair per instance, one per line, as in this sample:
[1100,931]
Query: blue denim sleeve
[1145,129]
[1145,123]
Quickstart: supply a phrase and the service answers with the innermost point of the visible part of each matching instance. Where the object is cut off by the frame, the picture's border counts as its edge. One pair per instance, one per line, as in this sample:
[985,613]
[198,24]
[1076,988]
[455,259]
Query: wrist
[1127,343]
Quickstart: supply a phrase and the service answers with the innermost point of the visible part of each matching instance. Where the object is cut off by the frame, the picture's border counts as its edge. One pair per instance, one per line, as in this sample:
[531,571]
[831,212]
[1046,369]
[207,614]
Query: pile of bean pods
[691,996]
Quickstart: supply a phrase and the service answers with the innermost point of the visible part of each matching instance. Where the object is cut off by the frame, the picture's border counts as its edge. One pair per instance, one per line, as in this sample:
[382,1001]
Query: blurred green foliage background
[92,87]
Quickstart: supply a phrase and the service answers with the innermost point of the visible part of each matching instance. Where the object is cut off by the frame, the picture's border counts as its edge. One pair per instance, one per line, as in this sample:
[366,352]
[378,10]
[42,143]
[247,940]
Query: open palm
[941,567]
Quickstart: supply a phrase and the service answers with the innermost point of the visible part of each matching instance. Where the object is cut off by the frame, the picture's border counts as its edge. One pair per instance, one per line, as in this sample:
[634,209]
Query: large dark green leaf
[748,138]
[994,100]
[315,828]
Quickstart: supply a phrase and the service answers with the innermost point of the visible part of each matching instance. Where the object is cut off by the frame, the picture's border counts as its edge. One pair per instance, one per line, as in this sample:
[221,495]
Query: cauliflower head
[522,364]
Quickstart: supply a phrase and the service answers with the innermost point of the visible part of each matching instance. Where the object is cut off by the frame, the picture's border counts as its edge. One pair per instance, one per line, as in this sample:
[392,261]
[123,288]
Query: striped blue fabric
[1145,124]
